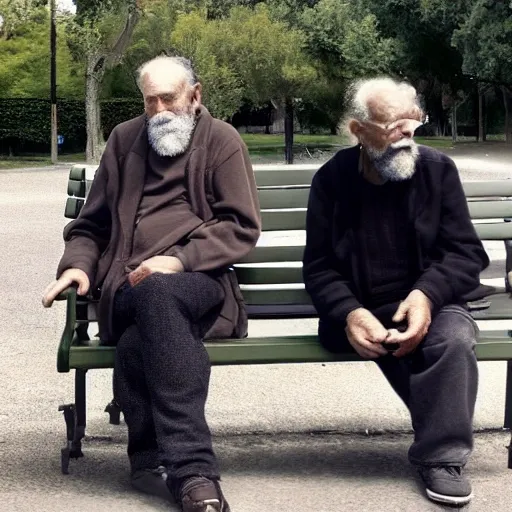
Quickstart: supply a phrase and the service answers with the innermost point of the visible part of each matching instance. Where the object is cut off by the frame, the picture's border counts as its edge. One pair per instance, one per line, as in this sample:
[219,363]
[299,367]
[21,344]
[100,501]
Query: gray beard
[169,134]
[397,162]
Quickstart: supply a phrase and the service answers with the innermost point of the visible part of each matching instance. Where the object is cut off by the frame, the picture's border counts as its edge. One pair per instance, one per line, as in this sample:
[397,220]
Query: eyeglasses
[395,130]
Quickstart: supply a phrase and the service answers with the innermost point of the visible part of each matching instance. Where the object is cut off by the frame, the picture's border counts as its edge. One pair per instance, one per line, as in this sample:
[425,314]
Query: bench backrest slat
[271,275]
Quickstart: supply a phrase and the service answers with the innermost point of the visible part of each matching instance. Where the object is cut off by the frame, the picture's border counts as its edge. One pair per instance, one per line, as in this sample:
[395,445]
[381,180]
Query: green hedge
[25,126]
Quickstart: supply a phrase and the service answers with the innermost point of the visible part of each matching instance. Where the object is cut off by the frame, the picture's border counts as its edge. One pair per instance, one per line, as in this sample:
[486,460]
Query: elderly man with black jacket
[173,205]
[391,259]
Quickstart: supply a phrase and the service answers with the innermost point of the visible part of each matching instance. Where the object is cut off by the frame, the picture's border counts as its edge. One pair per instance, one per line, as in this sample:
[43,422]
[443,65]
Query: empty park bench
[271,282]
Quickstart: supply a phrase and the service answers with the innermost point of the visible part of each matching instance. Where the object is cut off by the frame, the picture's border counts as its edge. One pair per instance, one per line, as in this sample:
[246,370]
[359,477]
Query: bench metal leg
[508,409]
[75,418]
[114,411]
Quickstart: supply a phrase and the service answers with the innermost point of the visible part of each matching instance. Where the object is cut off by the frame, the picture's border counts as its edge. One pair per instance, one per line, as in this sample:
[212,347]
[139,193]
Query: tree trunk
[507,101]
[481,132]
[454,123]
[98,61]
[288,131]
[92,115]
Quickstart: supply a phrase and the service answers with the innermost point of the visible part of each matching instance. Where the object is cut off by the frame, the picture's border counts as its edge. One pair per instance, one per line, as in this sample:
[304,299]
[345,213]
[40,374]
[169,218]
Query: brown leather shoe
[200,494]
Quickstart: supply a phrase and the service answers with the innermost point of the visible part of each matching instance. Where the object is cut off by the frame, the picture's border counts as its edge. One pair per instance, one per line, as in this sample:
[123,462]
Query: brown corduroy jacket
[221,190]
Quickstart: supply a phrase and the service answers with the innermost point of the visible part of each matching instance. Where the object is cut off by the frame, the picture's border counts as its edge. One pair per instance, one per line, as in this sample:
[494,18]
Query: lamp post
[53,82]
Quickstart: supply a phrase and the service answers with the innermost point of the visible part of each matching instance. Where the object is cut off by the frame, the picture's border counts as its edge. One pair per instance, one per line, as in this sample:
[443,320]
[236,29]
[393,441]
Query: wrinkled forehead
[164,80]
[388,106]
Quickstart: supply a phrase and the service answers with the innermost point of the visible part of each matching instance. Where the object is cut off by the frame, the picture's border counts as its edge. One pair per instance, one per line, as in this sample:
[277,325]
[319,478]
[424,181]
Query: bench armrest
[69,333]
[64,295]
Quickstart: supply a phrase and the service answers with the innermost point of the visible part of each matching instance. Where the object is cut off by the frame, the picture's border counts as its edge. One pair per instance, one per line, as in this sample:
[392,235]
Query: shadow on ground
[280,471]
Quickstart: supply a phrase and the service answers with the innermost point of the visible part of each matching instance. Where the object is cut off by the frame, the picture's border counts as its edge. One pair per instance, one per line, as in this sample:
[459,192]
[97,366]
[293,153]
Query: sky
[66,4]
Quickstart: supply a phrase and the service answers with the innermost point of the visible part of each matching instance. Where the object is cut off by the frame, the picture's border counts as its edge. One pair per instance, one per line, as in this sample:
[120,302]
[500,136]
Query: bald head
[172,97]
[168,84]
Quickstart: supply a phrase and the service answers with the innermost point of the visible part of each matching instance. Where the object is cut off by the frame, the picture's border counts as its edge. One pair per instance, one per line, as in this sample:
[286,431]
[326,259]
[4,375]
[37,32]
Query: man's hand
[162,264]
[365,333]
[67,279]
[416,310]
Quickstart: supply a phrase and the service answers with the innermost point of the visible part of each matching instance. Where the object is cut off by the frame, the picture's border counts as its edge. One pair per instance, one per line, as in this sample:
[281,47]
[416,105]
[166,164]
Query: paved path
[287,472]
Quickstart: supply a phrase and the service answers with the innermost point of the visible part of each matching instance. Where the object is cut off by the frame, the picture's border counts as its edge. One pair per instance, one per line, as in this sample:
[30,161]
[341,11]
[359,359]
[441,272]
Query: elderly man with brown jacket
[173,205]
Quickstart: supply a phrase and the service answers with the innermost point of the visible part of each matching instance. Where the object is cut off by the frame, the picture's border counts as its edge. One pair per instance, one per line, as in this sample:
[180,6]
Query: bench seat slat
[492,345]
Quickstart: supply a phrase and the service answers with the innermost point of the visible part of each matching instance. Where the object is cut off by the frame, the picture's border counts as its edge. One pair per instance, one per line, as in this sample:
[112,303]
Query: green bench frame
[276,291]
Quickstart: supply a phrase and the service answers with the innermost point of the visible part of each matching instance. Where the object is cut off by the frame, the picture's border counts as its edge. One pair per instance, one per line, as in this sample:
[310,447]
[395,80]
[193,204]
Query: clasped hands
[75,276]
[368,336]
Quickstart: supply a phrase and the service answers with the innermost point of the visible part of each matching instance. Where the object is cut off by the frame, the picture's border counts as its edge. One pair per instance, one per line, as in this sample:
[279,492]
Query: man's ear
[355,127]
[197,95]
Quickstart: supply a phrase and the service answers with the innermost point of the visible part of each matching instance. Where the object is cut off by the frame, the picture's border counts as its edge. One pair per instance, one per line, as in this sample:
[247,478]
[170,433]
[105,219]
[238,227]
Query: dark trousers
[438,382]
[162,371]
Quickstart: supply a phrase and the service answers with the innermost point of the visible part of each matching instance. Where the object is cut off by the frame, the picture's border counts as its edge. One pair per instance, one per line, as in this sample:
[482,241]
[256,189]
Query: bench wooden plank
[278,198]
[278,253]
[76,188]
[489,188]
[494,231]
[287,175]
[492,346]
[276,296]
[77,172]
[268,275]
[490,209]
[500,309]
[283,220]
[73,207]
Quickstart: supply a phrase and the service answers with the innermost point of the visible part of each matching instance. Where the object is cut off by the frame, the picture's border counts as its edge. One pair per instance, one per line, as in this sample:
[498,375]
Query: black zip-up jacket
[450,256]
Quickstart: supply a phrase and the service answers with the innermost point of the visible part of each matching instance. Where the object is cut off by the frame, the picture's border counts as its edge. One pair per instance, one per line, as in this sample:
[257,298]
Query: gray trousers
[438,383]
[162,371]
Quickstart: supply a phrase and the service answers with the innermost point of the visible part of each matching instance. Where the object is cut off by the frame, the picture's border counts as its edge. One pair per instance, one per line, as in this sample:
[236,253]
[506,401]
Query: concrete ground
[312,437]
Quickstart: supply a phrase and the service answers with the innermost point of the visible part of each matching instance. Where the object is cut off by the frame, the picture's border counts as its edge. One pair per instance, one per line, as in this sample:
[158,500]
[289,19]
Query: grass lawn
[258,141]
[267,149]
[15,162]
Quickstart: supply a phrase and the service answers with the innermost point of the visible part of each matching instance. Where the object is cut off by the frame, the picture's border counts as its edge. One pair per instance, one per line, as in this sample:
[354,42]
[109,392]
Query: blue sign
[60,140]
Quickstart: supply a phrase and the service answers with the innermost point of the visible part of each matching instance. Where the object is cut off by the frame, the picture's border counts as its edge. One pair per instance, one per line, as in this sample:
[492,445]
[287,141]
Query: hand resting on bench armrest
[70,277]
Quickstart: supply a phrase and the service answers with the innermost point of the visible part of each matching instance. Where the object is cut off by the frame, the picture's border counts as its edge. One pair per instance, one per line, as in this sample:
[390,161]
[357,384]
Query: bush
[26,128]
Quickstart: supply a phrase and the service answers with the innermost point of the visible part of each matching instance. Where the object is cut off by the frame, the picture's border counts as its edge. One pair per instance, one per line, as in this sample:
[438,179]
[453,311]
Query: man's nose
[160,106]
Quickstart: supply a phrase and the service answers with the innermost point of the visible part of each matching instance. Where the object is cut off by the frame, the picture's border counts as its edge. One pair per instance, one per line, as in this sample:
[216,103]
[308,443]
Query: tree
[25,57]
[15,14]
[485,40]
[202,41]
[247,55]
[426,57]
[151,37]
[346,45]
[99,35]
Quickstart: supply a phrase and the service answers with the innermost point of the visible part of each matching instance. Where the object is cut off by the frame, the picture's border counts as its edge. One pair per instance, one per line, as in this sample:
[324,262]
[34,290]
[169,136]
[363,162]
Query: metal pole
[454,123]
[53,82]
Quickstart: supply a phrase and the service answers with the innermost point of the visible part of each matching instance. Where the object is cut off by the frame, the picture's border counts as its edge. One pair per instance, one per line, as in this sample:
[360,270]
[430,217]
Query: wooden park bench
[271,282]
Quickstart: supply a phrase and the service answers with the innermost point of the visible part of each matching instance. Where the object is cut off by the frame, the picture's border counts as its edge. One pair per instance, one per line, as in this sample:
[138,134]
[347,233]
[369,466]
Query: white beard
[397,162]
[169,134]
